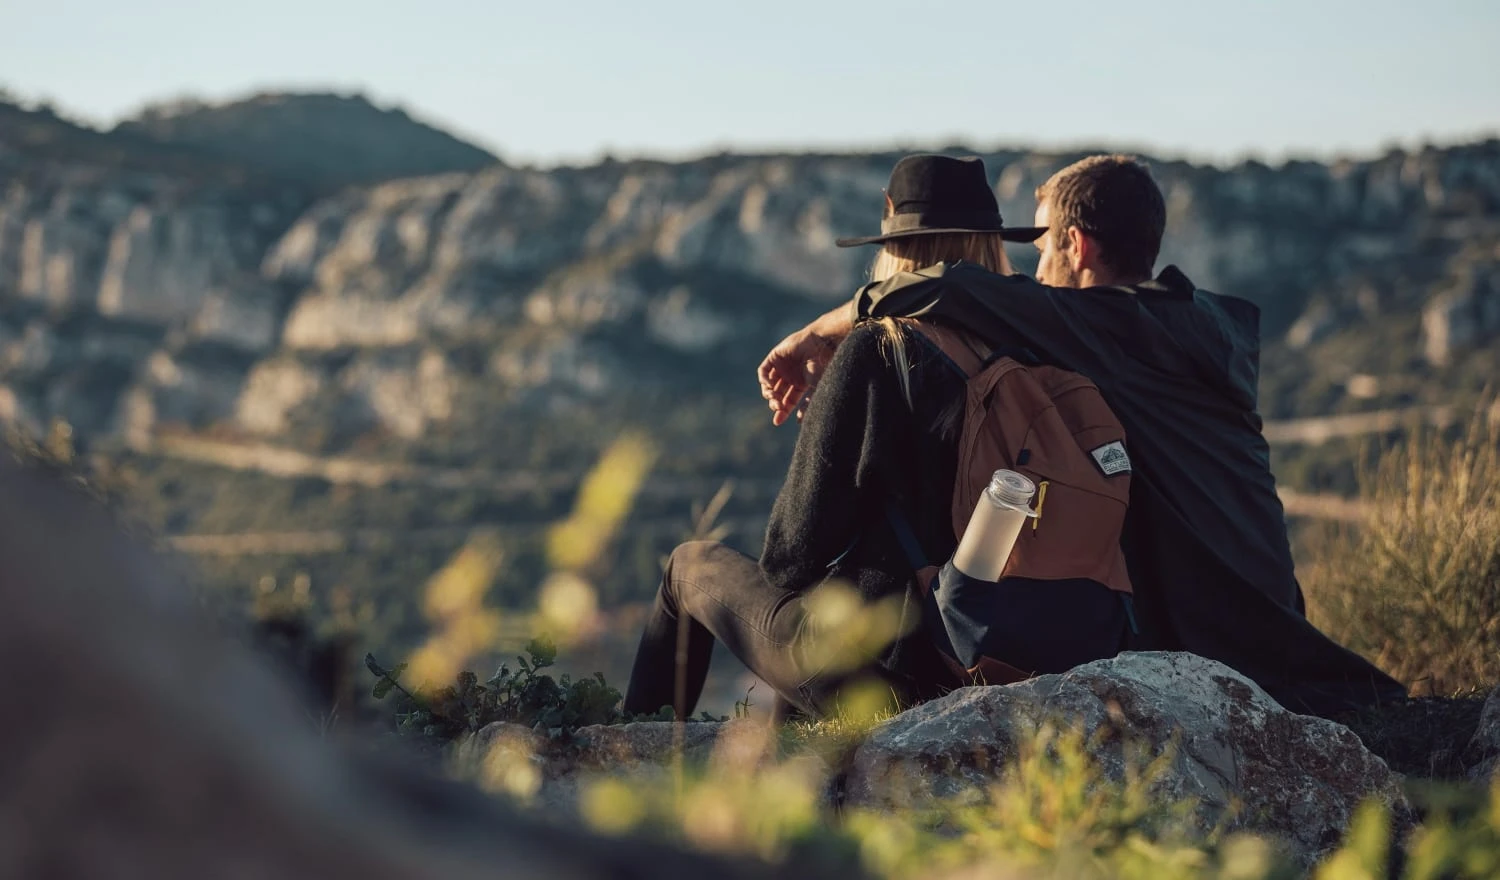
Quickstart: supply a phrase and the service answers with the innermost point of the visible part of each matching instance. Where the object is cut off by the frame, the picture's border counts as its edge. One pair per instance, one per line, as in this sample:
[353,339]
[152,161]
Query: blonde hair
[918,252]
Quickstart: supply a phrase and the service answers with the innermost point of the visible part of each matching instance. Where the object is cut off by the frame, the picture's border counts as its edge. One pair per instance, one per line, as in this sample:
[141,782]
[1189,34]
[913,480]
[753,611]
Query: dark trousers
[710,591]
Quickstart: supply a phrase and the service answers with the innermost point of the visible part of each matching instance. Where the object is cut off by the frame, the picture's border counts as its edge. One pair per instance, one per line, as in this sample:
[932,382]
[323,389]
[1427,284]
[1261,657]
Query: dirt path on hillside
[1321,429]
[336,541]
[281,461]
[288,463]
[319,542]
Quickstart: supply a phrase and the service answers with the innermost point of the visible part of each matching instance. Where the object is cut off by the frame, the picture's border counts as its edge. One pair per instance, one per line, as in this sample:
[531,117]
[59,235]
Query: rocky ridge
[140,302]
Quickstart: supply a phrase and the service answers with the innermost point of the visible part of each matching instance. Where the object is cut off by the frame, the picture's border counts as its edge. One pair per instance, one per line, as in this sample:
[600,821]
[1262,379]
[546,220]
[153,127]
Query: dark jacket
[1205,536]
[858,448]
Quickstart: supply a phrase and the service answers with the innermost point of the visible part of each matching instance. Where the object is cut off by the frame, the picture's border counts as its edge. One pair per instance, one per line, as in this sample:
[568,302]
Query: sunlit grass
[1415,585]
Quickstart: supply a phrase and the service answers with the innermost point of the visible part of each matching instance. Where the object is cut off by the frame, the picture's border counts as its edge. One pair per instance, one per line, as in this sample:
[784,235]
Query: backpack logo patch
[1112,458]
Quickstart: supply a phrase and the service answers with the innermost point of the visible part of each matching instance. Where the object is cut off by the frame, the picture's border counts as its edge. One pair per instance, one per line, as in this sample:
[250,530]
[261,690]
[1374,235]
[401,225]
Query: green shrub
[524,696]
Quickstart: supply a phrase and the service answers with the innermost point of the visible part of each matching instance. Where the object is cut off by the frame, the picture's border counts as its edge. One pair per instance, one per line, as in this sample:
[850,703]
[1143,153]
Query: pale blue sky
[564,81]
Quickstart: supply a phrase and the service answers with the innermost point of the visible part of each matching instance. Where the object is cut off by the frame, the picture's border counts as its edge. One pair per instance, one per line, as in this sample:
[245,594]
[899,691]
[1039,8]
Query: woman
[880,433]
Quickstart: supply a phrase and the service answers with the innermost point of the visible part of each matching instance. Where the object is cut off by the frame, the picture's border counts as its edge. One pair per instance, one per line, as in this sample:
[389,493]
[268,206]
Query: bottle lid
[1012,489]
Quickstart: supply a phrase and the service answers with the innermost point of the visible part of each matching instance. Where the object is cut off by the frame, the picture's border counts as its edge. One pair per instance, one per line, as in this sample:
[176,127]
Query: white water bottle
[1003,508]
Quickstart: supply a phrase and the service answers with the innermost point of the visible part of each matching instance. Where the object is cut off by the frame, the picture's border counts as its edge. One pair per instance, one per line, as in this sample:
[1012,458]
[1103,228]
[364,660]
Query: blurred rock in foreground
[143,744]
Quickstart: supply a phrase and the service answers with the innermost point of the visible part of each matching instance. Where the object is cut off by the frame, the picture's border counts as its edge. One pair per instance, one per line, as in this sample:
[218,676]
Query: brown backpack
[1053,426]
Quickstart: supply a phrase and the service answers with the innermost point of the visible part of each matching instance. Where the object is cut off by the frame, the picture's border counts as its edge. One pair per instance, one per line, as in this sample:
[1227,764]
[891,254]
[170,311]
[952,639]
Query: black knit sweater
[861,448]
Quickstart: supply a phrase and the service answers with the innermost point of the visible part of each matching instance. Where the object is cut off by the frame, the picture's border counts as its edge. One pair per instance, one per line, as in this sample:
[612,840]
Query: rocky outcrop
[1237,756]
[1236,753]
[579,279]
[1465,315]
[144,249]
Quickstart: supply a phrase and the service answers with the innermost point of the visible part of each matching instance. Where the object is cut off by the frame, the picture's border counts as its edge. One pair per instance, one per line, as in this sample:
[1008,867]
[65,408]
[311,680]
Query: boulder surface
[1235,752]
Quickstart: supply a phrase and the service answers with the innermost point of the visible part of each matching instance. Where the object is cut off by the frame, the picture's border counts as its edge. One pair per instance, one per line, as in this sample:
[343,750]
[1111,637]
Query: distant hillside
[340,381]
[322,139]
[33,139]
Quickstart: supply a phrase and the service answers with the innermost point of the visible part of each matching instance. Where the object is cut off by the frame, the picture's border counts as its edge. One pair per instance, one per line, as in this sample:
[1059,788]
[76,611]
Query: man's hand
[792,369]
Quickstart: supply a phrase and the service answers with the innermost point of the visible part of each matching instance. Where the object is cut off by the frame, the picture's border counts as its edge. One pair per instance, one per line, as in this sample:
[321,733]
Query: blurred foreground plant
[567,604]
[463,626]
[1056,812]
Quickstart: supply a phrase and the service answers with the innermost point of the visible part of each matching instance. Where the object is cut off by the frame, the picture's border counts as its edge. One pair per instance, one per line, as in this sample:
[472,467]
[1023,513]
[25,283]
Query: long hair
[918,252]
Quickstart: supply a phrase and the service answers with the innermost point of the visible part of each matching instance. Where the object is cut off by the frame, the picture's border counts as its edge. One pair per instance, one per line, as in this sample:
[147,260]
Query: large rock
[1293,776]
[1237,755]
[1465,315]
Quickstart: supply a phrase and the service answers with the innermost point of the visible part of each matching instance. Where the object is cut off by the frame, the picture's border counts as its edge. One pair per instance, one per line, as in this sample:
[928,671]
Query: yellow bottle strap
[1041,498]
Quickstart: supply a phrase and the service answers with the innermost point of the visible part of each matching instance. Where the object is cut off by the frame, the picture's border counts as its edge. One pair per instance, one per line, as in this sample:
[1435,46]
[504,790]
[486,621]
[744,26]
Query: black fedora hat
[929,194]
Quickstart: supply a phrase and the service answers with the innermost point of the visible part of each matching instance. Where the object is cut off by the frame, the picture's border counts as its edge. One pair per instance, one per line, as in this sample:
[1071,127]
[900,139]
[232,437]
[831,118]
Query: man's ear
[1081,249]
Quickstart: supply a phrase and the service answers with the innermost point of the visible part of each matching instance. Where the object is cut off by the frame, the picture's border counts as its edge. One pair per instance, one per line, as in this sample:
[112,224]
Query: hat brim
[1009,233]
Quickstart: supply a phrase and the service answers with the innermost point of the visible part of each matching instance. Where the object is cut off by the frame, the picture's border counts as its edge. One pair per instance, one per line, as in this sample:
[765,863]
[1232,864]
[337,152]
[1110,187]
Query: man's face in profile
[1053,268]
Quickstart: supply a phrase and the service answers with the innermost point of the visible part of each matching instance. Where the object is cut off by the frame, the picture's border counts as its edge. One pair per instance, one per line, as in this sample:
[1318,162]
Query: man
[1205,536]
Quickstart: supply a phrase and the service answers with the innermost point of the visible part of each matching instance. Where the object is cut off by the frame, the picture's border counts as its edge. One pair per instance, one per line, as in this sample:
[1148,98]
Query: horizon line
[1480,134]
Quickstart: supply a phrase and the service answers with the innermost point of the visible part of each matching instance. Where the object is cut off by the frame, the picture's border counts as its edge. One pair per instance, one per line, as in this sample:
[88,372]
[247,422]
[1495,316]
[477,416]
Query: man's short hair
[1115,201]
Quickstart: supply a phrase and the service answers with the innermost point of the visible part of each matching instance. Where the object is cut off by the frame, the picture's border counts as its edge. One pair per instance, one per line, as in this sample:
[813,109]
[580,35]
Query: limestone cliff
[141,299]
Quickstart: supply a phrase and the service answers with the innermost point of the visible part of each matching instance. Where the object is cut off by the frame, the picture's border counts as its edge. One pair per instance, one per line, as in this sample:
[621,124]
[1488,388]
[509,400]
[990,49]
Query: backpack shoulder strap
[905,537]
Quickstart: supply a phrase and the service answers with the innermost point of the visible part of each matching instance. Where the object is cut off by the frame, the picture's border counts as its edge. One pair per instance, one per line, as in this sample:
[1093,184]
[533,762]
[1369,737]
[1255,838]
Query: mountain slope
[496,328]
[320,139]
[35,140]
